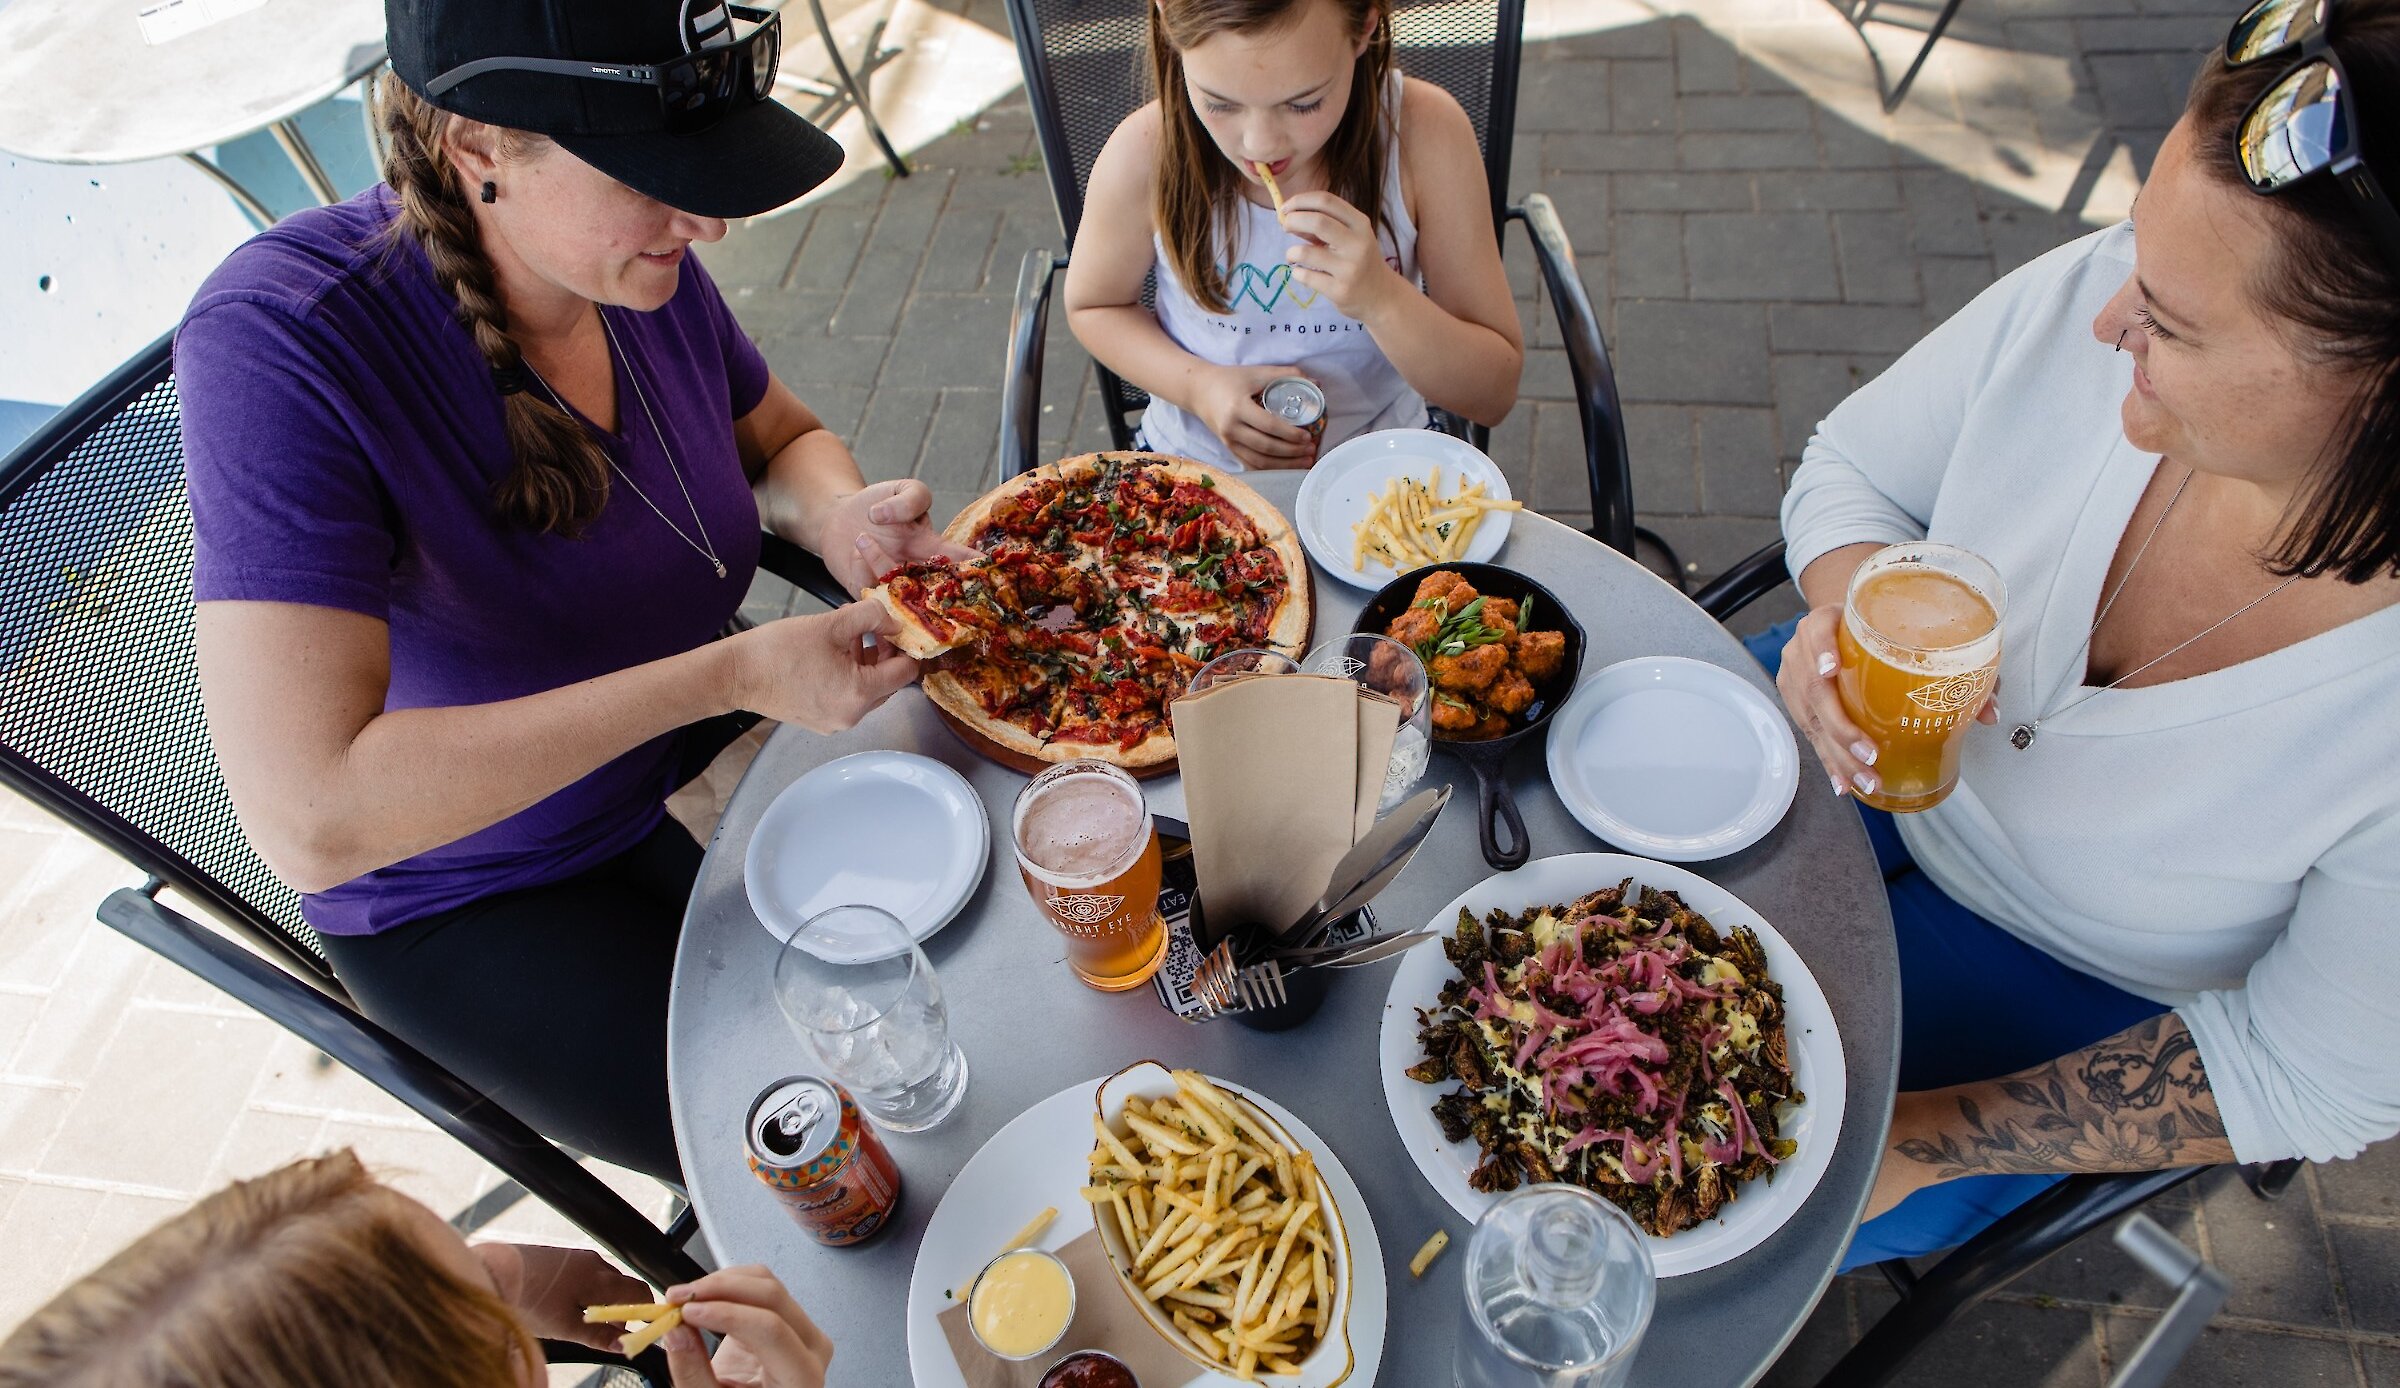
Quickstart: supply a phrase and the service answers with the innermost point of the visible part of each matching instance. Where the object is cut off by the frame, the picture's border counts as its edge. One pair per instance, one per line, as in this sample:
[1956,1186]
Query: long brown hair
[1194,195]
[559,481]
[305,1277]
[2335,289]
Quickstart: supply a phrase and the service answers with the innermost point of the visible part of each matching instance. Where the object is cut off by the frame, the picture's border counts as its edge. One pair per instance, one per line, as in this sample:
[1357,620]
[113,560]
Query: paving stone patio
[1760,239]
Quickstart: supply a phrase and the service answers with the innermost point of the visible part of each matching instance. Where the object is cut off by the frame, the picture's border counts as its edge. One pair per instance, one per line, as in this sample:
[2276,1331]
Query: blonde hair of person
[306,1277]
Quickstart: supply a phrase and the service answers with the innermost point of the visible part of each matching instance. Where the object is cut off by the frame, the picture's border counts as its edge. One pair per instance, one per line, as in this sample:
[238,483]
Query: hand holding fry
[1347,264]
[769,1341]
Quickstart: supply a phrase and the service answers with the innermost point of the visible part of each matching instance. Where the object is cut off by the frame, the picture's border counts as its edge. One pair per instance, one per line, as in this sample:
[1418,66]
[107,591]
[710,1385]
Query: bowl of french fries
[1220,1228]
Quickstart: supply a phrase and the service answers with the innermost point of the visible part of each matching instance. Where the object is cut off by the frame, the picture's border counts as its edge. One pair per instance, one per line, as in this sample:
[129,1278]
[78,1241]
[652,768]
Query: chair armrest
[1743,584]
[2199,1291]
[801,569]
[1610,476]
[1021,387]
[403,1072]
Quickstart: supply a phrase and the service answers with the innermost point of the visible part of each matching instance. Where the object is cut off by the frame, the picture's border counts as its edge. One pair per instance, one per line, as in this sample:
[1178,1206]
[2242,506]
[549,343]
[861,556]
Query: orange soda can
[807,1141]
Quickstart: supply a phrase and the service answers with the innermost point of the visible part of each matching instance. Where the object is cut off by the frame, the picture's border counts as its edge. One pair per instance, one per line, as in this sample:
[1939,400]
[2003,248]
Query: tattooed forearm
[2138,1101]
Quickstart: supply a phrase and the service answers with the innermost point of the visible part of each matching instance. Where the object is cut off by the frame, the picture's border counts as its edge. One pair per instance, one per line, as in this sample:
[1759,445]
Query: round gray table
[1031,1030]
[117,81]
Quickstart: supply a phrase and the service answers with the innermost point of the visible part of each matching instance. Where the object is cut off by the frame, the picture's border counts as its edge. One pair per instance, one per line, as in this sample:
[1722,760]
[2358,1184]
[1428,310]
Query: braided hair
[560,479]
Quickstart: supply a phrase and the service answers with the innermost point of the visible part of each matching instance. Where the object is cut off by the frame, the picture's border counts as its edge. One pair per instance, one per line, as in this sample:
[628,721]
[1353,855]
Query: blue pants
[1976,1003]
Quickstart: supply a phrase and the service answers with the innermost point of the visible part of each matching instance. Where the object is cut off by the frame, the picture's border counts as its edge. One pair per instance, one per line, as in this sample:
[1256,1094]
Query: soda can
[807,1141]
[1296,400]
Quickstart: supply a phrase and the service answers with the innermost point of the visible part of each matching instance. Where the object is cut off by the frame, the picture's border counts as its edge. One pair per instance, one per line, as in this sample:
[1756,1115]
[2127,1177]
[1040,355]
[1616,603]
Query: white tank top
[1276,320]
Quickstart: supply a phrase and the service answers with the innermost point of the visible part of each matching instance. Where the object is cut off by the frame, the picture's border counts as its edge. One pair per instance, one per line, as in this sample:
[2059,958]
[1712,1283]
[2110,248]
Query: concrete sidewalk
[1760,239]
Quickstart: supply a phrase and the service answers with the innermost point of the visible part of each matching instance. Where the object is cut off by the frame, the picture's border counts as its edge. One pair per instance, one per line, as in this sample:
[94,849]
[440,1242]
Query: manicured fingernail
[1824,662]
[1864,751]
[1865,781]
[1839,790]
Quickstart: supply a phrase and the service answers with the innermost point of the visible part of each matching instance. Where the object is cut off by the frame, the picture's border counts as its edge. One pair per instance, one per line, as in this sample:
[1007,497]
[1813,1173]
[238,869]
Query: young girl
[1380,280]
[316,1274]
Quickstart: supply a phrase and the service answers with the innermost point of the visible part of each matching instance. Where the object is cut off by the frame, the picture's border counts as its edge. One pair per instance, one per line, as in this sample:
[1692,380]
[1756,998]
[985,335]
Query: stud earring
[491,192]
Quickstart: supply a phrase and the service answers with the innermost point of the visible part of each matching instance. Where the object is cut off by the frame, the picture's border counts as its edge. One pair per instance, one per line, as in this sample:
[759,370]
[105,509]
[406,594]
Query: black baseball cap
[758,156]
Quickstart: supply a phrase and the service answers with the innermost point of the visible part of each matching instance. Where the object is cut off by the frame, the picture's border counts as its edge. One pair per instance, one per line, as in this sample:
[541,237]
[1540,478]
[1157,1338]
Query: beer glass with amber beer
[1089,855]
[1920,648]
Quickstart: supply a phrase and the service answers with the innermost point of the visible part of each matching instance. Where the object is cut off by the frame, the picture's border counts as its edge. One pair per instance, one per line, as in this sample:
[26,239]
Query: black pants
[551,1000]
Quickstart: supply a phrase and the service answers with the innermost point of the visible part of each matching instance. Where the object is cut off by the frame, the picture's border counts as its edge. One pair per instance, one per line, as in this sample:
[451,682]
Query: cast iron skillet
[1488,758]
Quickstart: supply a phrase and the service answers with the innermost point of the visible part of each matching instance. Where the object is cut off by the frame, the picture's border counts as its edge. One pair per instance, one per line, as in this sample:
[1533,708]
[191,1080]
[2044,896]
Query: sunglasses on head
[2307,122]
[695,89]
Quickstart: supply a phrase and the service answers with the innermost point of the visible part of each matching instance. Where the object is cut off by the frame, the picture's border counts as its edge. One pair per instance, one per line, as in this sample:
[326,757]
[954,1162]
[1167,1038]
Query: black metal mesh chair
[1085,73]
[101,724]
[2010,1248]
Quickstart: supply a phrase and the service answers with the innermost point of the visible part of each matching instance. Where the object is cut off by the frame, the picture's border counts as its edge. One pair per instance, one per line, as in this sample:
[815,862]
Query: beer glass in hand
[1089,855]
[1920,649]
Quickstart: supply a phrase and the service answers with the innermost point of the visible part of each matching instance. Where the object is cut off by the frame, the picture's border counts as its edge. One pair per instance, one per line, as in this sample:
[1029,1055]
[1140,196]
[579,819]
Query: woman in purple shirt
[478,462]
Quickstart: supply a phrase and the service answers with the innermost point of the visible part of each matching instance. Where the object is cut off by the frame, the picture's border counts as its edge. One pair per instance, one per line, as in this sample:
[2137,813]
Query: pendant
[2022,738]
[721,571]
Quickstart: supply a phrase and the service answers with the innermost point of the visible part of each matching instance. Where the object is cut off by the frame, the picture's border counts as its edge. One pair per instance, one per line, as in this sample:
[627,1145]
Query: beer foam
[1080,830]
[1920,618]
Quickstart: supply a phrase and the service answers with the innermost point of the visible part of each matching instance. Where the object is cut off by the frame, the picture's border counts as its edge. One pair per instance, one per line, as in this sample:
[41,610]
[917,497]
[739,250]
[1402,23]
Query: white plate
[1339,488]
[1673,758]
[1815,1048]
[887,829]
[1038,1160]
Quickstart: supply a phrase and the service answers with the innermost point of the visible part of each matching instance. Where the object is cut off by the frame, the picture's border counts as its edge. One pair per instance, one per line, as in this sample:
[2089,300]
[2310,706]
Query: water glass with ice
[1388,668]
[863,998]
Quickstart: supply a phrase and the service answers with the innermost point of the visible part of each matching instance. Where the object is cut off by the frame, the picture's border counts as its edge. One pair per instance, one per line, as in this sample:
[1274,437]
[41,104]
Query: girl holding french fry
[316,1273]
[1292,231]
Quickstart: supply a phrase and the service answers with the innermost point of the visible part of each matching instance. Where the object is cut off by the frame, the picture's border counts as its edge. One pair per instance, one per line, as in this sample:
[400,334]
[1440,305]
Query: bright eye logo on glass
[1084,908]
[1951,695]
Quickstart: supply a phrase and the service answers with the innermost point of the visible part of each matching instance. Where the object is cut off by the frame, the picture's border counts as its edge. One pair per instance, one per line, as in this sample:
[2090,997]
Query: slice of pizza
[941,604]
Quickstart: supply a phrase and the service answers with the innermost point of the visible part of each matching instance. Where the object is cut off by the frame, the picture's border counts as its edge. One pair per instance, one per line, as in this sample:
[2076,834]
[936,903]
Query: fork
[1217,982]
[1225,987]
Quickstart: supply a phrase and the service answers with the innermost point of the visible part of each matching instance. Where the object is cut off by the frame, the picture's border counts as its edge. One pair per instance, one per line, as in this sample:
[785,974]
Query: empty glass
[1240,665]
[1559,1290]
[859,992]
[1391,669]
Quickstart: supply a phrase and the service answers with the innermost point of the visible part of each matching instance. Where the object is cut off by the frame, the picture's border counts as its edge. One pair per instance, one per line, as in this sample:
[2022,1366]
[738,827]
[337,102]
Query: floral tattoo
[2138,1101]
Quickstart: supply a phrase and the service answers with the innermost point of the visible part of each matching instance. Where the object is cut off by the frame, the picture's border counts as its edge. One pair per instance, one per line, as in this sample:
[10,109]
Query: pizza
[1100,584]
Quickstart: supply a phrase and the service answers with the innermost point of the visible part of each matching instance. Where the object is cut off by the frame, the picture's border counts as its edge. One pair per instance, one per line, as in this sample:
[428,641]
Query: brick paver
[1760,239]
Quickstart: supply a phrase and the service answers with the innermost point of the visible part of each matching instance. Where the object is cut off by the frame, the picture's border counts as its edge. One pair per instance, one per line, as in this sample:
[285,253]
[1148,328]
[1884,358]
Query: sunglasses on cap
[695,89]
[2307,123]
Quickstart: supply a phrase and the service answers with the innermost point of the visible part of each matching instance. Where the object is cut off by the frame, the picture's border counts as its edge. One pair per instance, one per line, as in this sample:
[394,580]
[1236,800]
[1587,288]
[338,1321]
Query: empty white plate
[886,829]
[1341,485]
[1673,758]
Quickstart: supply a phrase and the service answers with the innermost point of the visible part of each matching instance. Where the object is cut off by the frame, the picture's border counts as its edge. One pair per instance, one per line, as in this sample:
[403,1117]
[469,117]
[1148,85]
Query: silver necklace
[2023,737]
[704,547]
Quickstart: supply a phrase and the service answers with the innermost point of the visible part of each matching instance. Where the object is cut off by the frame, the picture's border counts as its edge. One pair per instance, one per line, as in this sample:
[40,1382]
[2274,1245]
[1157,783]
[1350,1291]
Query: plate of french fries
[1400,499]
[1315,1319]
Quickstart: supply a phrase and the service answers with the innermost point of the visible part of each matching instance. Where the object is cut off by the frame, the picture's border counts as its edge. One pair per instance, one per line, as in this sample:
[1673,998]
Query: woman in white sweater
[2165,930]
